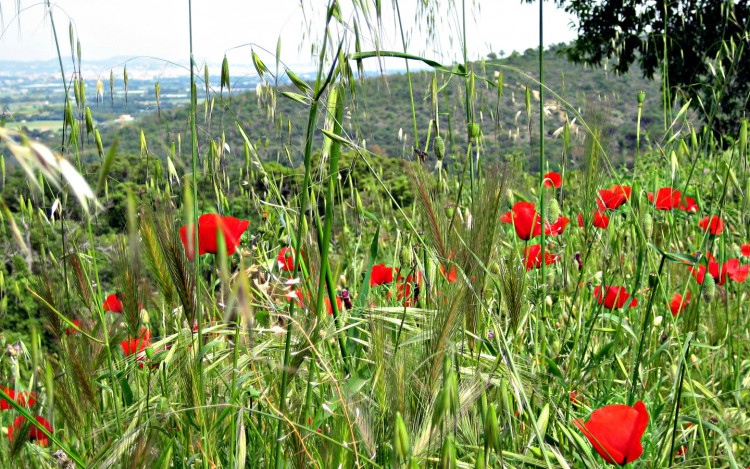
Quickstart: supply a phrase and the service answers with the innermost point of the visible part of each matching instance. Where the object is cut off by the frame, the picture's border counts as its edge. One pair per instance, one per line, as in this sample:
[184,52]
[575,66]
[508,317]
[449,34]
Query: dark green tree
[698,47]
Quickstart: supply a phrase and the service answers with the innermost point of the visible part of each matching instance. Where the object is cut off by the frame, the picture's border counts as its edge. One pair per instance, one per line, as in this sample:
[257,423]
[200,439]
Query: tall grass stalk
[321,83]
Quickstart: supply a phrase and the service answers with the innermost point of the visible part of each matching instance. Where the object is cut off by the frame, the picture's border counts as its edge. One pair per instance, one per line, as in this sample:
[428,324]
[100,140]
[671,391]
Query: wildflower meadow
[299,297]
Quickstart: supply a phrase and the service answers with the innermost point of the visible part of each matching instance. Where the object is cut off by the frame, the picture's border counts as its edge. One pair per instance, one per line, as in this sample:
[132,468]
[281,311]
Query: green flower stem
[320,85]
[644,333]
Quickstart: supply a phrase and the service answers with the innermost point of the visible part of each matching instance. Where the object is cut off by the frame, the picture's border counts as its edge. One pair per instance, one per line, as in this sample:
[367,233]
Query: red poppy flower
[71,330]
[113,303]
[688,205]
[528,223]
[532,257]
[712,224]
[678,304]
[380,274]
[666,198]
[209,226]
[21,398]
[404,289]
[609,199]
[35,434]
[296,295]
[730,269]
[285,259]
[140,344]
[734,271]
[614,298]
[556,228]
[624,190]
[745,250]
[328,304]
[615,431]
[451,276]
[599,220]
[525,219]
[553,179]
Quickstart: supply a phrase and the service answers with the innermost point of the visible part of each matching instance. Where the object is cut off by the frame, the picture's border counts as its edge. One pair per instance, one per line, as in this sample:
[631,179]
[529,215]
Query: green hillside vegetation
[382,111]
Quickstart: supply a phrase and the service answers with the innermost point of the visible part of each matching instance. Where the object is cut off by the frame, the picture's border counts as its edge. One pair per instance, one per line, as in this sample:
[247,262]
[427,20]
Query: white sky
[159,28]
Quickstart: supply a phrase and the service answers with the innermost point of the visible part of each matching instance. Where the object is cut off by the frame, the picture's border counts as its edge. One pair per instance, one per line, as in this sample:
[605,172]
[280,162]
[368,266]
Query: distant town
[31,93]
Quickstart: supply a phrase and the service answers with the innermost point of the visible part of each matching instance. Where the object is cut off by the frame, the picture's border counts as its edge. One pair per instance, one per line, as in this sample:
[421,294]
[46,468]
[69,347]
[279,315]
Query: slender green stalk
[336,100]
[321,84]
[644,331]
[408,75]
[542,162]
[102,321]
[197,261]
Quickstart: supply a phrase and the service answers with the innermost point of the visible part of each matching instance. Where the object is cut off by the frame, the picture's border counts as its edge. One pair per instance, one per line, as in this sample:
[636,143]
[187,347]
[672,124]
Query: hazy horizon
[106,32]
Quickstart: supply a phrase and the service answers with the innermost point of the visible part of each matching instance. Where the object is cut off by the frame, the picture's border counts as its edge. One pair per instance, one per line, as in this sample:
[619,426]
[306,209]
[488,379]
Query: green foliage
[700,49]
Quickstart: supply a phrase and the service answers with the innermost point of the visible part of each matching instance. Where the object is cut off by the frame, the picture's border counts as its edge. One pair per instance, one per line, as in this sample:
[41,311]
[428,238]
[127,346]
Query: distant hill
[380,112]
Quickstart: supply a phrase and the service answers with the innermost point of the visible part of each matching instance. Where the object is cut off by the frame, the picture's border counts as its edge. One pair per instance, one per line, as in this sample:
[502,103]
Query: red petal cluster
[613,297]
[528,223]
[209,226]
[731,269]
[71,330]
[329,308]
[713,224]
[613,198]
[532,257]
[381,274]
[679,303]
[138,345]
[35,434]
[21,398]
[615,431]
[666,198]
[285,259]
[113,303]
[553,179]
[599,220]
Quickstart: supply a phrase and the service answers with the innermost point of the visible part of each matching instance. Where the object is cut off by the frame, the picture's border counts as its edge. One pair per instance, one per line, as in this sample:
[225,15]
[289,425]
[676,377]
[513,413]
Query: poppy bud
[439,146]
[510,196]
[709,288]
[474,131]
[405,256]
[653,280]
[553,210]
[449,212]
[648,225]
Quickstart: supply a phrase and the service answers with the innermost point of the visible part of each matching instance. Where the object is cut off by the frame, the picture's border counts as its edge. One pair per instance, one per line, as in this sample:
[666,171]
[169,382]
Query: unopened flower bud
[439,146]
[553,210]
[648,225]
[474,130]
[405,256]
[709,288]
